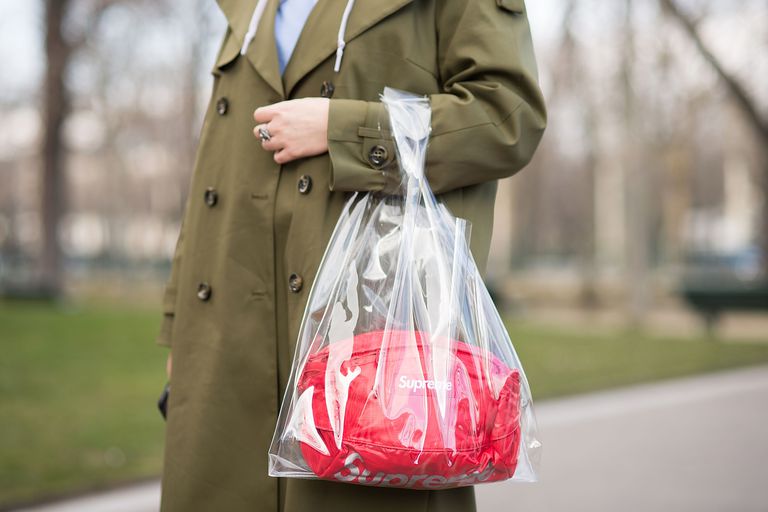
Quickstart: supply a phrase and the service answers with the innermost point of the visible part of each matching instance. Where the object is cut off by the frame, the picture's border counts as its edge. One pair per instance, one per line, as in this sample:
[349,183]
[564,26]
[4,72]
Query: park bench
[714,284]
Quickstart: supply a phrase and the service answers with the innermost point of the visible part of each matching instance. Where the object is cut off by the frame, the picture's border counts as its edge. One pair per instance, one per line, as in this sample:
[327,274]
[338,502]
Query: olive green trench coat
[253,231]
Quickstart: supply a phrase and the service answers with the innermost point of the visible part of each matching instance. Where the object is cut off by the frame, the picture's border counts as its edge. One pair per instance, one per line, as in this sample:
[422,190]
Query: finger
[266,113]
[283,156]
[272,144]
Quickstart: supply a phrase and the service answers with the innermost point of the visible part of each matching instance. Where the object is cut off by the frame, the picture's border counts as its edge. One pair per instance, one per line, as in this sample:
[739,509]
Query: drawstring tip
[339,55]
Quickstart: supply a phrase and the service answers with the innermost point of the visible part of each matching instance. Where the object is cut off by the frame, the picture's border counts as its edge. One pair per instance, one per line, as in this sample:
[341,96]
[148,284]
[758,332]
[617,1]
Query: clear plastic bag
[404,374]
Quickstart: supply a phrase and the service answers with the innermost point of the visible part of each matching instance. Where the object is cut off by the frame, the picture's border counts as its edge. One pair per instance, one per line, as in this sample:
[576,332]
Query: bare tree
[59,50]
[746,104]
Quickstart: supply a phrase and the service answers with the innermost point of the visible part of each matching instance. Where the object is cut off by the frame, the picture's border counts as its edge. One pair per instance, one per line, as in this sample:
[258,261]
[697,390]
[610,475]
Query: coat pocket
[228,52]
[516,7]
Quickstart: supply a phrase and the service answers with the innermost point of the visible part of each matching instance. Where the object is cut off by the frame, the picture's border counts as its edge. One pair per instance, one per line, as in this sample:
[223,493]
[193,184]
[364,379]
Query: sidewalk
[136,498]
[697,444]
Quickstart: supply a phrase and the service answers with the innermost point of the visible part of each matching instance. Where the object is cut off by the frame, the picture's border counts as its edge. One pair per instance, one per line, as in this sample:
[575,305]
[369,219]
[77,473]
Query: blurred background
[633,248]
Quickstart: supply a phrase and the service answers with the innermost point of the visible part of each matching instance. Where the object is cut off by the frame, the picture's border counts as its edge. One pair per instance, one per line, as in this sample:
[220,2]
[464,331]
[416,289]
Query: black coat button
[305,184]
[211,197]
[295,283]
[377,155]
[204,291]
[222,106]
[326,90]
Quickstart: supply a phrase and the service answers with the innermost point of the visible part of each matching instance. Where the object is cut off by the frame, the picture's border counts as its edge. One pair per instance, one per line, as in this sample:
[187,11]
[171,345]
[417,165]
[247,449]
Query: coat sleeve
[169,294]
[486,122]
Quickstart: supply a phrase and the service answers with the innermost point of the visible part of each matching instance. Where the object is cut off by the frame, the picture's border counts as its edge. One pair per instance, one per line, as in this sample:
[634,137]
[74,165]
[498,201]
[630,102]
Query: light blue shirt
[289,22]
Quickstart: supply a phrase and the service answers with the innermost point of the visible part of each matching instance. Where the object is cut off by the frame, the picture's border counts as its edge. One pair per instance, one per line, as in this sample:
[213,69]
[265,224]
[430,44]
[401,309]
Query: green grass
[78,386]
[561,362]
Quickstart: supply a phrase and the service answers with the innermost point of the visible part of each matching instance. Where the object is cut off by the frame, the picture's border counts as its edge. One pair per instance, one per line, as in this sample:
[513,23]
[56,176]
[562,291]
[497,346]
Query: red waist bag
[409,431]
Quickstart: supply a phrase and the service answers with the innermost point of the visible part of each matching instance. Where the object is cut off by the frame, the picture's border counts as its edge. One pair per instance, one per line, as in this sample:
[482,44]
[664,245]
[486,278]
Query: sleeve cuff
[360,146]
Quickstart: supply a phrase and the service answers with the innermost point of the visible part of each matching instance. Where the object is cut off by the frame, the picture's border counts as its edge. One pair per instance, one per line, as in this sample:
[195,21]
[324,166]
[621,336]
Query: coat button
[211,197]
[204,291]
[222,106]
[377,155]
[305,184]
[326,90]
[295,283]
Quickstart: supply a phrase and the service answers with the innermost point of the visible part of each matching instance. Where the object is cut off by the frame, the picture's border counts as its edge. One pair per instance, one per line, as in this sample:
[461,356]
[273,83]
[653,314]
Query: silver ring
[264,134]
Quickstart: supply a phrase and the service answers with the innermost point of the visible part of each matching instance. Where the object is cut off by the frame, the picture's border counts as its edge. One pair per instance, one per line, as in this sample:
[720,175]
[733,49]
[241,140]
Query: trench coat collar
[262,52]
[317,40]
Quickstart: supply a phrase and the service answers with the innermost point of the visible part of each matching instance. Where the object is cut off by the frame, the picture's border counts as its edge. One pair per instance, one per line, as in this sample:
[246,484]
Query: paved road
[698,444]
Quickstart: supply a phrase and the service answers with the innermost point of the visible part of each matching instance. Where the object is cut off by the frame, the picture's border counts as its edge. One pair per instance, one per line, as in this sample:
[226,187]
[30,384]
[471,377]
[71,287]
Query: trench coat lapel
[320,33]
[262,52]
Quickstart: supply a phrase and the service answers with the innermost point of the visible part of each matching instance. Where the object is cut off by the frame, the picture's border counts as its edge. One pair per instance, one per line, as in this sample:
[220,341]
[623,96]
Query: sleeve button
[377,155]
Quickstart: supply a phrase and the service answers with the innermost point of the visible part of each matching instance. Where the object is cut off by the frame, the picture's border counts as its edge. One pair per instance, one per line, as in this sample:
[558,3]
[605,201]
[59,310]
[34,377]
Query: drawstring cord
[340,44]
[342,32]
[253,25]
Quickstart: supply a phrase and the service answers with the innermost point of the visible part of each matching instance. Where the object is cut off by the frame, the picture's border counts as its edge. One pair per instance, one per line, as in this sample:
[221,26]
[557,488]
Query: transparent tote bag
[404,374]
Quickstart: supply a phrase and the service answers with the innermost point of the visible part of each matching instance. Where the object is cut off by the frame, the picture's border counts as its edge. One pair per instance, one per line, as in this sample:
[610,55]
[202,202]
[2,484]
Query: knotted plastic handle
[409,119]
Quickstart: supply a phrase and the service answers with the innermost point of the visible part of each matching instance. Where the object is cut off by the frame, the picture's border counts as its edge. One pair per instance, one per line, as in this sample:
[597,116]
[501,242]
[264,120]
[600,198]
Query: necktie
[289,20]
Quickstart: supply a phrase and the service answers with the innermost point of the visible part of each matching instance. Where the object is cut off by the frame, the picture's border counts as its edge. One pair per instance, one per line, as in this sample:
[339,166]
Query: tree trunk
[56,107]
[636,188]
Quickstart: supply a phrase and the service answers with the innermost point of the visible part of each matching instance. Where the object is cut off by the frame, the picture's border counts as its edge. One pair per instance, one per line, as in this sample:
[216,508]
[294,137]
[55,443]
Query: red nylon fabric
[396,437]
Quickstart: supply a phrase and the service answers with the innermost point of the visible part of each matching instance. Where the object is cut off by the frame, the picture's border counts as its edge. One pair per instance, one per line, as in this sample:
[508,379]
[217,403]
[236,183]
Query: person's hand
[297,128]
[168,365]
